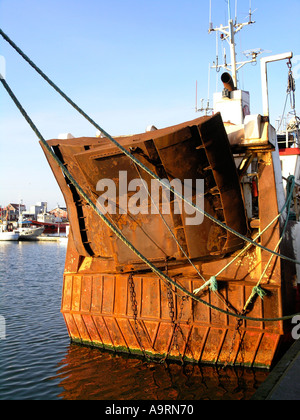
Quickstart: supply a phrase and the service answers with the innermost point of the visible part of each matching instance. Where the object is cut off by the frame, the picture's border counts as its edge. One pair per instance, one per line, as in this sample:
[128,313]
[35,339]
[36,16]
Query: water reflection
[38,362]
[88,373]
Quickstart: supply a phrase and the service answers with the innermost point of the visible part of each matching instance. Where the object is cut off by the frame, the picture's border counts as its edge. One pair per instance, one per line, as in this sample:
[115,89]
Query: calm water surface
[38,362]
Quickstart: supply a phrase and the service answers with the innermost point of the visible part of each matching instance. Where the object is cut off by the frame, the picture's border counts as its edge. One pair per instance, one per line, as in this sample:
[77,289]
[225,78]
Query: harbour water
[38,362]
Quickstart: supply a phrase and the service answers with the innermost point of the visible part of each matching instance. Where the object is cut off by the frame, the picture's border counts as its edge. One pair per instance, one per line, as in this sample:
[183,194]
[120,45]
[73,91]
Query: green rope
[213,284]
[259,291]
[135,160]
[119,234]
[167,226]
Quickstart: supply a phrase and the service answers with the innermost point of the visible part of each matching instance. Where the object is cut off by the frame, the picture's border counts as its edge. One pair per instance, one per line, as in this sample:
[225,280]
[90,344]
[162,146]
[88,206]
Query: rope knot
[213,284]
[260,292]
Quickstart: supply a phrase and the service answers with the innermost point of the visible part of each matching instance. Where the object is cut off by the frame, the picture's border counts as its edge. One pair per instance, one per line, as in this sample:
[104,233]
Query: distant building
[60,213]
[40,207]
[12,211]
[46,218]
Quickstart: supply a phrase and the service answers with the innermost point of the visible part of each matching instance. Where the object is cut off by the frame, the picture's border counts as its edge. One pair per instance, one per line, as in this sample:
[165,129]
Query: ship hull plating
[113,301]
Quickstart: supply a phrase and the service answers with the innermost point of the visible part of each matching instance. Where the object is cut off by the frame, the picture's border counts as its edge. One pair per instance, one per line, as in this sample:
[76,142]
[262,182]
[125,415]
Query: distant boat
[30,232]
[9,236]
[27,230]
[51,228]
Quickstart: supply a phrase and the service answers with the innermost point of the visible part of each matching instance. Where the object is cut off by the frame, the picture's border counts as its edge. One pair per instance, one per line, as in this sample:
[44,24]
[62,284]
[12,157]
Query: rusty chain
[134,307]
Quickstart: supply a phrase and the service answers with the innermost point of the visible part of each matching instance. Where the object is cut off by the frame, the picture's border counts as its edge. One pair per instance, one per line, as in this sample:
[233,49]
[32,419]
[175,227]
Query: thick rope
[257,290]
[117,232]
[291,179]
[135,160]
[167,226]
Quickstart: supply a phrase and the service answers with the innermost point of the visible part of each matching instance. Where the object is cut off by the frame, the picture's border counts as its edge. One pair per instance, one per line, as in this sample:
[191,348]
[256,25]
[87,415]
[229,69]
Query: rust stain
[103,308]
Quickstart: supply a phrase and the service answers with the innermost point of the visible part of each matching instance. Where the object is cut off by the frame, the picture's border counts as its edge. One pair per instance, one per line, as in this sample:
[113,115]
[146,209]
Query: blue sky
[128,64]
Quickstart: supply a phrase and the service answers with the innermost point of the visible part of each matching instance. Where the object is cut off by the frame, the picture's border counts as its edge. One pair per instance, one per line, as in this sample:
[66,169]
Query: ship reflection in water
[88,373]
[38,362]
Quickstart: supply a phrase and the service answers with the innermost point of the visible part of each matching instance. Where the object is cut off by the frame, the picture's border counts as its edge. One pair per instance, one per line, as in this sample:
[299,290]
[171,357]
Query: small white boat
[9,236]
[28,231]
[7,233]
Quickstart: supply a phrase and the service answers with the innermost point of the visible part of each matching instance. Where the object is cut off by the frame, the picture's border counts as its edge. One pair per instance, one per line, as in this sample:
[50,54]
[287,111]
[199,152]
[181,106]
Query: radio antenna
[229,10]
[210,16]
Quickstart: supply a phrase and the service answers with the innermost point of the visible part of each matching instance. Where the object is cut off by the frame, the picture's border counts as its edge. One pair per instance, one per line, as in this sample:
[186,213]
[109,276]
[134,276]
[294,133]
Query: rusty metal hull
[99,311]
[112,301]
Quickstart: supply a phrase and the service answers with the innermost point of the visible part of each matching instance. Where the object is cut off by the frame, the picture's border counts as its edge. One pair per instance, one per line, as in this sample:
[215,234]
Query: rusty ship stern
[112,300]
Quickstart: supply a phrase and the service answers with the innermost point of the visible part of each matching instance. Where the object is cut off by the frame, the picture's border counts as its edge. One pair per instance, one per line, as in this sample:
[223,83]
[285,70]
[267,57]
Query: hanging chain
[171,307]
[175,324]
[236,332]
[291,85]
[172,316]
[135,312]
[291,89]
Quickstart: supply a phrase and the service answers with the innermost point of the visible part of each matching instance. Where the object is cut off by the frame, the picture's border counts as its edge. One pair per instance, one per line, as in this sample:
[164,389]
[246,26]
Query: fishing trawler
[28,231]
[207,275]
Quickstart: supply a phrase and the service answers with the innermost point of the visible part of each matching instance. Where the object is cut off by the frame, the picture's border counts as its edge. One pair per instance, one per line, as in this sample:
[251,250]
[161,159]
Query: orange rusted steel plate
[196,150]
[111,300]
[98,311]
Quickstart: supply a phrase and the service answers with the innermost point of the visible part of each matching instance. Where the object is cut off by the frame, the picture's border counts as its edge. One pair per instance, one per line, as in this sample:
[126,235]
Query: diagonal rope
[168,227]
[117,232]
[135,160]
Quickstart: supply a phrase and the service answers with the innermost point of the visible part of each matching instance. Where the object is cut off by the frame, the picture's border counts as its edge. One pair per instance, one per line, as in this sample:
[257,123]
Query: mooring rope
[257,290]
[140,164]
[118,233]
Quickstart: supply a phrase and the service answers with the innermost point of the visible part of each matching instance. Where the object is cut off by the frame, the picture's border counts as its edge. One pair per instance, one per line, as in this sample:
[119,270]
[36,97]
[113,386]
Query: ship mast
[228,33]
